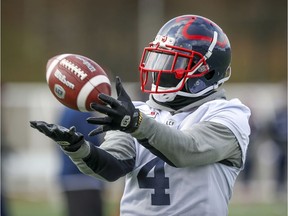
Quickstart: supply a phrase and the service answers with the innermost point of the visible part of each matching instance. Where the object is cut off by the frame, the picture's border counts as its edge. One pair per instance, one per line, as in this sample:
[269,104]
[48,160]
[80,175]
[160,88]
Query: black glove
[121,113]
[68,139]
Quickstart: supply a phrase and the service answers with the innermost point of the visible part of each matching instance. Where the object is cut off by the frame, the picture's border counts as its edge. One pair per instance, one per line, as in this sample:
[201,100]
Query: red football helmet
[190,56]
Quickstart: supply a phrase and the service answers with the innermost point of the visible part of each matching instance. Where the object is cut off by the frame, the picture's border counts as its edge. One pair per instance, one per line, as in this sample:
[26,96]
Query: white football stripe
[87,88]
[53,64]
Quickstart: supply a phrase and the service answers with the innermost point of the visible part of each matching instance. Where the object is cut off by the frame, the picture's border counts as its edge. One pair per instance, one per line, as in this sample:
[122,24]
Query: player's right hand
[68,139]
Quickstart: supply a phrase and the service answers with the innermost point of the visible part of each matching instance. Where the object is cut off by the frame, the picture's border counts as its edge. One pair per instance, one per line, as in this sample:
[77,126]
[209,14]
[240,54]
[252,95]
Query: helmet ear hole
[209,75]
[195,85]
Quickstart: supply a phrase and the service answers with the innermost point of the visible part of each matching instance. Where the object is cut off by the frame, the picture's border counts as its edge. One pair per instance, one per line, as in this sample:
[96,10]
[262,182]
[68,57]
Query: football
[76,81]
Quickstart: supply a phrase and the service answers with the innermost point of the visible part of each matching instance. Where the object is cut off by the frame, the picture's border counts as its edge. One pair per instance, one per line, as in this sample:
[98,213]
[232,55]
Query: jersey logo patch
[151,114]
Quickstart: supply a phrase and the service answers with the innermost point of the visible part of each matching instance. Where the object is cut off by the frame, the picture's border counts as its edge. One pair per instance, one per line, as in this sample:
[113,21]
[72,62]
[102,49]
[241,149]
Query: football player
[180,151]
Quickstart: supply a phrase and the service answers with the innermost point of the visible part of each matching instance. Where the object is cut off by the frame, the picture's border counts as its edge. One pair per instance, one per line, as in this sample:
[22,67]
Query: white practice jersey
[156,188]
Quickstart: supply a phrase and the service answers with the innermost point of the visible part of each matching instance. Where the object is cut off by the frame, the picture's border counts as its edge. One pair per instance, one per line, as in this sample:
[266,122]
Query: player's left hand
[121,113]
[68,139]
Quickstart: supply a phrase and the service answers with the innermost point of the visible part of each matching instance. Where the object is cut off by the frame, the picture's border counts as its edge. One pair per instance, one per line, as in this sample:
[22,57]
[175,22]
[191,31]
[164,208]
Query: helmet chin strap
[163,97]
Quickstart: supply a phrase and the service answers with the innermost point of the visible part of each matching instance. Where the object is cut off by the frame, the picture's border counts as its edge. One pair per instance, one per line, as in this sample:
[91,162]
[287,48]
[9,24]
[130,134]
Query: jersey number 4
[159,182]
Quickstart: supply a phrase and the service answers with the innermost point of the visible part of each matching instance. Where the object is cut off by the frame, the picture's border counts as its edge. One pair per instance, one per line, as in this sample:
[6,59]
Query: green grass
[42,208]
[277,209]
[21,207]
[32,208]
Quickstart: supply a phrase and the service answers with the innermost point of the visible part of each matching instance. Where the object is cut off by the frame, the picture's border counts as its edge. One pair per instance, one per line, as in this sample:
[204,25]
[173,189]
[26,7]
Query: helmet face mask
[169,68]
[185,49]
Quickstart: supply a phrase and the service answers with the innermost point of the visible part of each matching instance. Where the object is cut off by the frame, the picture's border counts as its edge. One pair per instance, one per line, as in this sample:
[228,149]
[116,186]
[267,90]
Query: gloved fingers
[109,100]
[59,131]
[121,93]
[99,108]
[99,130]
[34,124]
[100,121]
[41,126]
[72,130]
[118,85]
[103,109]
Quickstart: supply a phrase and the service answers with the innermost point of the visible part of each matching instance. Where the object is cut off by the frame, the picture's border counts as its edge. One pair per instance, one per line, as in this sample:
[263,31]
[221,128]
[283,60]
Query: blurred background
[113,33]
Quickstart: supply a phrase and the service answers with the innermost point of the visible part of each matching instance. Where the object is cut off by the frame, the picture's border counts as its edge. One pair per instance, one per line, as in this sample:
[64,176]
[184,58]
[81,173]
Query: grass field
[41,208]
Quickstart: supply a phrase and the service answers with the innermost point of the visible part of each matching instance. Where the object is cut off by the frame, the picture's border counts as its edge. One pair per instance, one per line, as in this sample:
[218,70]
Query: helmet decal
[186,34]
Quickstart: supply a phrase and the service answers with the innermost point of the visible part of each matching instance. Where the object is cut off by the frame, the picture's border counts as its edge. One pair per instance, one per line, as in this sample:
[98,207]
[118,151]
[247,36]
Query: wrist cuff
[72,147]
[82,152]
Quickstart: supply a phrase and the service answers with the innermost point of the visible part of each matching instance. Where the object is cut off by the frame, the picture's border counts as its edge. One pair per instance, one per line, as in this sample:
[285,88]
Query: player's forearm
[197,146]
[100,164]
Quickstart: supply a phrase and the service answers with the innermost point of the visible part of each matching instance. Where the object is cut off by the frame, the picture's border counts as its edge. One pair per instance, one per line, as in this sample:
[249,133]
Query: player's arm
[109,162]
[203,143]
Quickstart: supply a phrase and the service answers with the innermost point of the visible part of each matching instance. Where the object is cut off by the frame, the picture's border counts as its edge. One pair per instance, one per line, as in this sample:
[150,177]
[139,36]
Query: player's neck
[182,104]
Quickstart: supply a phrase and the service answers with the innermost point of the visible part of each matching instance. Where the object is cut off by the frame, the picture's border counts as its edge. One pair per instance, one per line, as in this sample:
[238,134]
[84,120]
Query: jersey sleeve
[112,160]
[235,116]
[200,142]
[203,143]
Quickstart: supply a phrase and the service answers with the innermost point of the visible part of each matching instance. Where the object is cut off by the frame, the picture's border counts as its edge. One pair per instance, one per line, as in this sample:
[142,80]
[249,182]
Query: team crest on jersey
[151,114]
